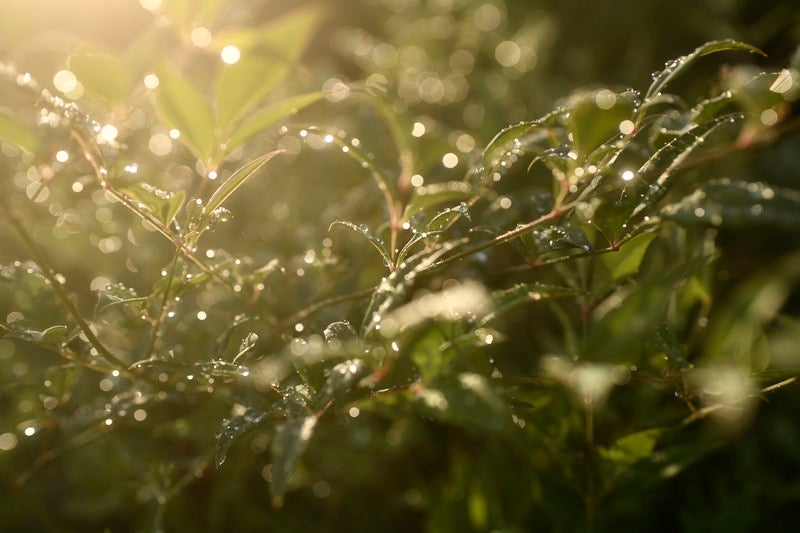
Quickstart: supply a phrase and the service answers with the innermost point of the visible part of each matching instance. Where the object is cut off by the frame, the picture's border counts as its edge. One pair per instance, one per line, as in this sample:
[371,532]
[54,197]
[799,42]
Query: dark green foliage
[249,294]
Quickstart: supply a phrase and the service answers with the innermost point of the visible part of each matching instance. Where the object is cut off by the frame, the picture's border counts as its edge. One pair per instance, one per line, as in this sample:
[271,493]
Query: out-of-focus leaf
[737,203]
[181,106]
[628,450]
[676,66]
[466,400]
[625,262]
[288,444]
[235,427]
[744,316]
[18,134]
[524,293]
[235,181]
[162,204]
[468,299]
[626,316]
[25,289]
[268,116]
[244,84]
[104,76]
[268,53]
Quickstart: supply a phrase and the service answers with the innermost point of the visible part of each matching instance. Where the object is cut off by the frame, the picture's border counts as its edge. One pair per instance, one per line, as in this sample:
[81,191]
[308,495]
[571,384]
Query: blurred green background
[463,69]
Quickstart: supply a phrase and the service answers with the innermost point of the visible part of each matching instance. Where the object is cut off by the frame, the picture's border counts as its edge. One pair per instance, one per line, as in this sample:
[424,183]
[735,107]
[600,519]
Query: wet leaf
[18,134]
[428,196]
[658,171]
[374,240]
[393,289]
[52,335]
[594,118]
[103,76]
[264,118]
[182,107]
[340,379]
[116,294]
[288,444]
[162,204]
[340,331]
[515,139]
[737,203]
[677,66]
[558,237]
[444,217]
[235,181]
[235,427]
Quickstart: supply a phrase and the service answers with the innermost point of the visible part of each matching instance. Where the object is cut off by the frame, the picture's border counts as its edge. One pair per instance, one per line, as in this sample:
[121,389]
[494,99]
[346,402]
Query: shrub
[215,291]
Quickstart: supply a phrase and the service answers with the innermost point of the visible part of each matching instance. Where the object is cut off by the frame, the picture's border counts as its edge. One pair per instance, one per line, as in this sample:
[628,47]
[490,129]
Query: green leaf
[268,116]
[466,400]
[341,377]
[160,203]
[189,14]
[103,76]
[625,262]
[393,289]
[235,181]
[235,427]
[657,173]
[268,53]
[516,138]
[288,444]
[750,309]
[737,203]
[629,450]
[428,196]
[184,108]
[633,447]
[630,314]
[677,66]
[374,240]
[18,134]
[594,118]
[51,335]
[116,294]
[523,294]
[558,237]
[243,85]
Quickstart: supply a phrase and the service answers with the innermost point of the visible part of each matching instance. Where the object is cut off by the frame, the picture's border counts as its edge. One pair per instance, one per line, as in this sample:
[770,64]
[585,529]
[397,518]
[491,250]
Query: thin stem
[162,312]
[590,464]
[509,235]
